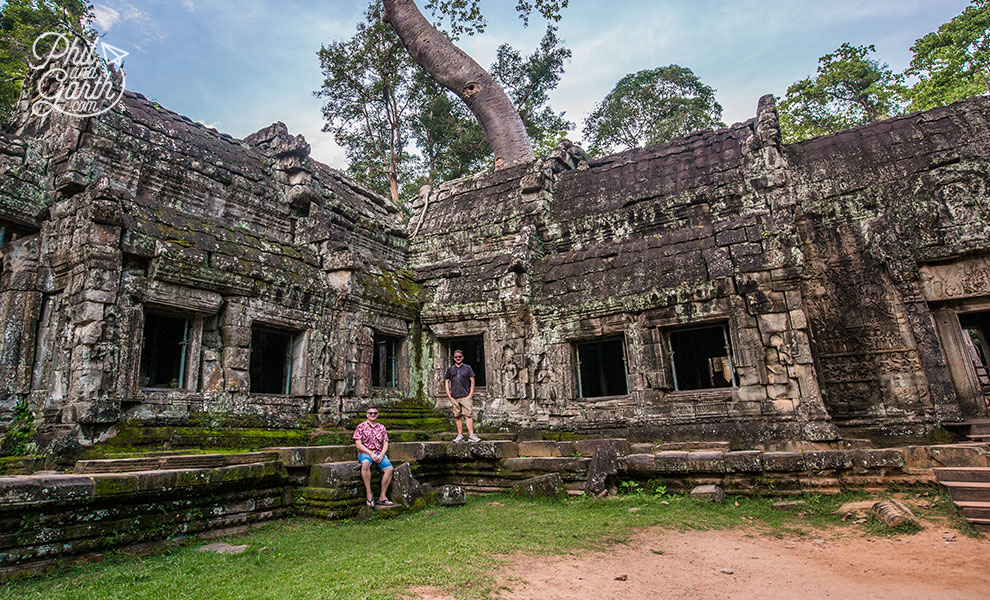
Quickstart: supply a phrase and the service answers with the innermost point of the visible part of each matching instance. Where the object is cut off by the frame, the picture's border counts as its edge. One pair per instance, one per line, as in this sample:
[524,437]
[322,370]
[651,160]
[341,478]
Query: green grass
[455,549]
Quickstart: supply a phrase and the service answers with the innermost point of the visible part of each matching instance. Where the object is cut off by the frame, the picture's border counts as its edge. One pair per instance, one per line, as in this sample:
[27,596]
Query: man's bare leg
[470,425]
[460,426]
[386,481]
[366,477]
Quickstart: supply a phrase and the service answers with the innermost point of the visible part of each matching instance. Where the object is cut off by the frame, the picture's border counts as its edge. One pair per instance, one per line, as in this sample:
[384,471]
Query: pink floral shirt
[373,438]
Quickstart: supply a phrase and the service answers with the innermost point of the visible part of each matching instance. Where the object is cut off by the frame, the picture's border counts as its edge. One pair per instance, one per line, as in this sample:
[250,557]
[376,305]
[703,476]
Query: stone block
[706,461]
[547,464]
[877,458]
[958,455]
[306,456]
[114,484]
[451,495]
[641,448]
[709,492]
[588,447]
[601,472]
[550,485]
[644,464]
[672,461]
[404,451]
[743,461]
[32,489]
[783,461]
[332,475]
[405,489]
[493,450]
[821,460]
[539,448]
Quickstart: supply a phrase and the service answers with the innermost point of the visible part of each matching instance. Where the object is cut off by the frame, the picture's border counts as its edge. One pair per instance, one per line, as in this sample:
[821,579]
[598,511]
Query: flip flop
[369,503]
[386,503]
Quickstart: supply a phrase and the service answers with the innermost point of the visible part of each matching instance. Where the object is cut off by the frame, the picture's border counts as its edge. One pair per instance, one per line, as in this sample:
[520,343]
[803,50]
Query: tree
[953,62]
[367,85]
[850,89]
[452,68]
[21,22]
[652,106]
[451,141]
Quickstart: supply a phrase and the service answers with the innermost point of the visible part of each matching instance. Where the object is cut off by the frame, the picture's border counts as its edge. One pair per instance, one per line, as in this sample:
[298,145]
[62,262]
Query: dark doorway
[602,368]
[702,358]
[271,360]
[383,363]
[163,352]
[976,330]
[473,348]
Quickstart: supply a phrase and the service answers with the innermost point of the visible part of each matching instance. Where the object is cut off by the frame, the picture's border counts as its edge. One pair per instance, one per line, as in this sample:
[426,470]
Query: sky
[240,65]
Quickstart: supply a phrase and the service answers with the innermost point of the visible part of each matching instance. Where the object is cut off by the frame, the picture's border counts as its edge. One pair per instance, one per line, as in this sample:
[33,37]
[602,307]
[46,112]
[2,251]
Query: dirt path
[744,563]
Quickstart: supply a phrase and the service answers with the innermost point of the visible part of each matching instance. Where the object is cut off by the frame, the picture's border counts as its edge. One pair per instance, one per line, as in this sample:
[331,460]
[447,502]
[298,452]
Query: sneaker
[474,438]
[459,438]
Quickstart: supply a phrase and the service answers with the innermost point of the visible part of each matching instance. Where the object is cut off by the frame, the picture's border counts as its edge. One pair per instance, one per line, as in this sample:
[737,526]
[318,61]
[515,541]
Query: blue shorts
[381,466]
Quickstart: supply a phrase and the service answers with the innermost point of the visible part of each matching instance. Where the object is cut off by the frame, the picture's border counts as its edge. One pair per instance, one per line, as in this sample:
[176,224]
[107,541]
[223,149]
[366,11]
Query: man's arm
[446,386]
[471,393]
[362,449]
[384,451]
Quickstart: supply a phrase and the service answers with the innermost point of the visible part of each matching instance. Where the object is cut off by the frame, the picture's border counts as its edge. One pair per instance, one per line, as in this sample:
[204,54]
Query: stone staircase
[969,488]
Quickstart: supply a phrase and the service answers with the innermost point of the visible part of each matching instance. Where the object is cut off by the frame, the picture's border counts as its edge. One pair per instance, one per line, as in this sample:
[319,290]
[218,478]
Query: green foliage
[21,22]
[465,16]
[368,87]
[850,89]
[16,440]
[652,106]
[953,62]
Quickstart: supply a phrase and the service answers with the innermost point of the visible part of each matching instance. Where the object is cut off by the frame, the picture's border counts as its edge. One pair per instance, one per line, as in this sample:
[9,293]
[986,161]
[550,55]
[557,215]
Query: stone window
[384,362]
[602,368]
[163,352]
[702,358]
[473,348]
[272,354]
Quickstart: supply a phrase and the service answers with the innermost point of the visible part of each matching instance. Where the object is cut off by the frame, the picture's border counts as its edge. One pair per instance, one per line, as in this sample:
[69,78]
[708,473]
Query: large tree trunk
[458,72]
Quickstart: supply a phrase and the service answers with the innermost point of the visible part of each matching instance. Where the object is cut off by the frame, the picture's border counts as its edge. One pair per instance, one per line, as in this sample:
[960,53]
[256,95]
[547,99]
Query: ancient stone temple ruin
[724,286]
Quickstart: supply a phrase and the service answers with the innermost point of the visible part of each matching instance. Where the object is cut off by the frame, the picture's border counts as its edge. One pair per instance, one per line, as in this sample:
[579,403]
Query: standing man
[371,440]
[459,383]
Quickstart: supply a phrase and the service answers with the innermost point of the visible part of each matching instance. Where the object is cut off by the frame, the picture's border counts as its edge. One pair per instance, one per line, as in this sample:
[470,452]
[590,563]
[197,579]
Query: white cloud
[104,17]
[188,5]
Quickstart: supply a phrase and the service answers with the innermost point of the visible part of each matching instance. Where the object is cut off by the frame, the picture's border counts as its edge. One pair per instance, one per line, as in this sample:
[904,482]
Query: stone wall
[812,256]
[141,211]
[47,520]
[722,286]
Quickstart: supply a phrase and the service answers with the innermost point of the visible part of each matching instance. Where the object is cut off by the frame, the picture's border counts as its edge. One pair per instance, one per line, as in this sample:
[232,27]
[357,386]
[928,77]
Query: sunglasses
[372,412]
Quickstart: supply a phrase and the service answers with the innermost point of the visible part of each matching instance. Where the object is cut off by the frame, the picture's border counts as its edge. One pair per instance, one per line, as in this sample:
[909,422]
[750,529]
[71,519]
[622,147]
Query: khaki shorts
[462,407]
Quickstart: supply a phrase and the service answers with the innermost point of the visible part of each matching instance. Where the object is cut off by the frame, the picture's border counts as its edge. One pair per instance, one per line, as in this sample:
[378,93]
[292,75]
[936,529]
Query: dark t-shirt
[460,379]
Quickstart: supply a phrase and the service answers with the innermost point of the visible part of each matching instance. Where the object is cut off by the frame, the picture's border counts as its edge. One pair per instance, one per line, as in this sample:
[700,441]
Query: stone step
[968,491]
[979,437]
[174,461]
[975,510]
[963,474]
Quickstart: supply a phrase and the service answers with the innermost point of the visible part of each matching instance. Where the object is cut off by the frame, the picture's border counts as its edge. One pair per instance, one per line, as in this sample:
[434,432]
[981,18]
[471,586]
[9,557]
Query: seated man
[372,443]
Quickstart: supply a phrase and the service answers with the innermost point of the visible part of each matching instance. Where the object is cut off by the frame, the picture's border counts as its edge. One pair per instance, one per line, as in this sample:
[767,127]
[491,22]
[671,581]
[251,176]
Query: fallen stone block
[405,489]
[601,472]
[709,492]
[790,505]
[894,513]
[221,548]
[543,486]
[451,495]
